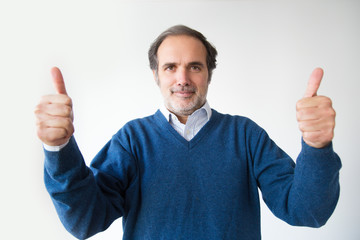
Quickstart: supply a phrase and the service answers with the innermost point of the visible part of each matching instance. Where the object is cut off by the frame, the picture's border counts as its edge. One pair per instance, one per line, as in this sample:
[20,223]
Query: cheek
[202,82]
[164,80]
[203,88]
[164,89]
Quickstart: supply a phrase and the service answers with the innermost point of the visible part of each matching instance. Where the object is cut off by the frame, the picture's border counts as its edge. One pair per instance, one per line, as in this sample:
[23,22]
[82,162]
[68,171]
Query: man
[188,171]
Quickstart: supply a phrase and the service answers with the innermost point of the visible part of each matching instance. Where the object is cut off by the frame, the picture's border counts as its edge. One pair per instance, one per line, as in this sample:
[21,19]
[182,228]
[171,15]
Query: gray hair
[182,30]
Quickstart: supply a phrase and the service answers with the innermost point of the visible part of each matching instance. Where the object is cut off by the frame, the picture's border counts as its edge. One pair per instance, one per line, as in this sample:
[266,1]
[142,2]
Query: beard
[184,106]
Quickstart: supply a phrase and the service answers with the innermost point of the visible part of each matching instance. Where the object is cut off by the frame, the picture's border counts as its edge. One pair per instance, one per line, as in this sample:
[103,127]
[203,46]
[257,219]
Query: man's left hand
[315,114]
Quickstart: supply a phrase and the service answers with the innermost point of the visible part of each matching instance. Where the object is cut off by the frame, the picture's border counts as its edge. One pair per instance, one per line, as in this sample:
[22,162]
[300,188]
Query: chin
[184,109]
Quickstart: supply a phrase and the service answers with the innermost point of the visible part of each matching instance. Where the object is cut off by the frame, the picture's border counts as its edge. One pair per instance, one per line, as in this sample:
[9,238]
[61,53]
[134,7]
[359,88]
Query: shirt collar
[167,114]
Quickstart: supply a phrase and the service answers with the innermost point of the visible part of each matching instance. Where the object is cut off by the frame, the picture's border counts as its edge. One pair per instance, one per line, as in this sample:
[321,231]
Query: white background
[267,50]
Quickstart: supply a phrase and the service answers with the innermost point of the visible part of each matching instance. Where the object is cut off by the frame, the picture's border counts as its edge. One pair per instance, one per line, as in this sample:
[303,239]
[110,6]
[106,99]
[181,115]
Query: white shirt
[193,125]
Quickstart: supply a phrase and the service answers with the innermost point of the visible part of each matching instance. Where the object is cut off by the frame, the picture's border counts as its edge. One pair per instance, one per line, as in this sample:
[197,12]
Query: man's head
[178,30]
[182,62]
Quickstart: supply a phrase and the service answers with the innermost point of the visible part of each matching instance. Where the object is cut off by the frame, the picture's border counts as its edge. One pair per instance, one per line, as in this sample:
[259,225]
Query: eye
[169,68]
[195,68]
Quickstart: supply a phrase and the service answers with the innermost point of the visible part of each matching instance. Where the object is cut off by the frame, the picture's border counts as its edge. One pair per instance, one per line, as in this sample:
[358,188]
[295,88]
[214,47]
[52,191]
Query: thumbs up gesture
[315,114]
[54,115]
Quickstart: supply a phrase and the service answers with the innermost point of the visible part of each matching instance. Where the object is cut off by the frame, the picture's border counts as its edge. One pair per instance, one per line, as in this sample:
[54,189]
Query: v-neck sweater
[166,187]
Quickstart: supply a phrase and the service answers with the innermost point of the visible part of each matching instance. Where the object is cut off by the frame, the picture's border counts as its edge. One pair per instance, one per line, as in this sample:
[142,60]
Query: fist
[315,114]
[54,114]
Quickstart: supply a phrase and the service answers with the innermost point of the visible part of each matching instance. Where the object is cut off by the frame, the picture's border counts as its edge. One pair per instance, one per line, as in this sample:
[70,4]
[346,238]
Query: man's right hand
[54,114]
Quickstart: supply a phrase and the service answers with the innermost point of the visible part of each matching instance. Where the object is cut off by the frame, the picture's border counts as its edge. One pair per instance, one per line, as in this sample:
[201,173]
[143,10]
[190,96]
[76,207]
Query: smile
[183,92]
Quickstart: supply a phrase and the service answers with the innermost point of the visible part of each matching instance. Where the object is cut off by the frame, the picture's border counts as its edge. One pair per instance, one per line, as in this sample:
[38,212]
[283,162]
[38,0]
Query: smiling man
[182,75]
[188,171]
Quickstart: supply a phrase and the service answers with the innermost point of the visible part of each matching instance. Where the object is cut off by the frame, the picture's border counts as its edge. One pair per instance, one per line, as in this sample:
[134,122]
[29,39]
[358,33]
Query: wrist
[55,148]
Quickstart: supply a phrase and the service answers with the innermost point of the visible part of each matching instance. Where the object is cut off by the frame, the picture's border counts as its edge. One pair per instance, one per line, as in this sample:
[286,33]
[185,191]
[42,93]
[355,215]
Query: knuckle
[68,111]
[37,110]
[332,126]
[333,113]
[38,123]
[67,100]
[41,124]
[68,123]
[299,104]
[330,113]
[301,127]
[326,101]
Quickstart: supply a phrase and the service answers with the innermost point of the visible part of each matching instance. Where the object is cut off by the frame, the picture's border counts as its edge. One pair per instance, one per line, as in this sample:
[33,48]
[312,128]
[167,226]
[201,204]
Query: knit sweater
[165,187]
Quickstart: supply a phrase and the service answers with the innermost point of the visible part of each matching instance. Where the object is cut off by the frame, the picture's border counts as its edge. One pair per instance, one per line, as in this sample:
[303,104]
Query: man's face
[182,74]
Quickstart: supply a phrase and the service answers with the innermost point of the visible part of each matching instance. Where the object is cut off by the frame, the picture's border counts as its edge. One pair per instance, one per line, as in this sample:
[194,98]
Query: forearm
[302,194]
[80,203]
[315,189]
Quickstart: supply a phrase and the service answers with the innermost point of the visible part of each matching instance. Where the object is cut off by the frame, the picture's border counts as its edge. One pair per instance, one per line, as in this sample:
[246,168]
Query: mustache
[183,89]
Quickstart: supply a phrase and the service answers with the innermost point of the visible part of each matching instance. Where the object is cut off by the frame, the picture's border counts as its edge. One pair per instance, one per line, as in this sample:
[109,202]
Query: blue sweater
[165,187]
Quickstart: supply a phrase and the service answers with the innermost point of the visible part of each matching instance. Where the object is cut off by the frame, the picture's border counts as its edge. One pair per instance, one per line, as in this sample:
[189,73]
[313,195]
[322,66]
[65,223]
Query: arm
[306,194]
[316,186]
[87,200]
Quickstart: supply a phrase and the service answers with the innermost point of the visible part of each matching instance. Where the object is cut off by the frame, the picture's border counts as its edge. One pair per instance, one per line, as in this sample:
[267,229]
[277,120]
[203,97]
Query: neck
[182,116]
[182,119]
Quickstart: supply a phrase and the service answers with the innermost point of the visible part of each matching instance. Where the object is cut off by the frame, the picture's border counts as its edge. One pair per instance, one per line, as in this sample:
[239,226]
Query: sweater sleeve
[88,200]
[302,194]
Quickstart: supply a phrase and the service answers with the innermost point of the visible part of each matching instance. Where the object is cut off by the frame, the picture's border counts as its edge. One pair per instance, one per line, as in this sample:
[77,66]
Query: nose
[182,77]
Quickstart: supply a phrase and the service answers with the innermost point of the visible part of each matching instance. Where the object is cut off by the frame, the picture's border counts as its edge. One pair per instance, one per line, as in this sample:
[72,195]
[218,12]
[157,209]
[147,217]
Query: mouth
[182,92]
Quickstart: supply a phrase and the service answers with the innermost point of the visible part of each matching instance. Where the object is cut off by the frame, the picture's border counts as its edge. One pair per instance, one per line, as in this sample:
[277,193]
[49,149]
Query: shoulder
[235,121]
[140,125]
[240,130]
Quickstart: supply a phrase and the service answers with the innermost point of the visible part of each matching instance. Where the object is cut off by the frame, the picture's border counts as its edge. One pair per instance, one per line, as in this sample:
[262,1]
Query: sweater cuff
[325,155]
[66,159]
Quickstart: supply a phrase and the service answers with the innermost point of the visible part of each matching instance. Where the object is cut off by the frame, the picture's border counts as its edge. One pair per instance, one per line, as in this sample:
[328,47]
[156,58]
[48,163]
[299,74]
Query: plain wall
[267,50]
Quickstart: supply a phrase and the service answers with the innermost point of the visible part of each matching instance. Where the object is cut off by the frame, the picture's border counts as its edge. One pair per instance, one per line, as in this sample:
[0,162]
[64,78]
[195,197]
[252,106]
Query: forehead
[180,49]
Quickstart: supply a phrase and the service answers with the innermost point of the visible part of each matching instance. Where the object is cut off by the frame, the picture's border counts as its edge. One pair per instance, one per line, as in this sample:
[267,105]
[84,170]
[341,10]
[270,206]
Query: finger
[319,124]
[55,109]
[58,81]
[316,101]
[56,98]
[49,125]
[53,136]
[308,114]
[314,82]
[54,122]
[312,125]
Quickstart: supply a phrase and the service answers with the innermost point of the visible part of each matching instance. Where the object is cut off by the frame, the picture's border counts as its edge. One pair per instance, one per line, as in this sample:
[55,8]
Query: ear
[155,77]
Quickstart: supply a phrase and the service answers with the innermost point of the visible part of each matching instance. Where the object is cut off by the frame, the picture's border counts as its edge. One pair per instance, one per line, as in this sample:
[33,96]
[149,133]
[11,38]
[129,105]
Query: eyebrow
[165,65]
[200,64]
[194,63]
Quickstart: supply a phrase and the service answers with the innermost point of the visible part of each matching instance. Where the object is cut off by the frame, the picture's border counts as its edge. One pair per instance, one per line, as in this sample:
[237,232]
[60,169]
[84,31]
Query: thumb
[314,82]
[58,81]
